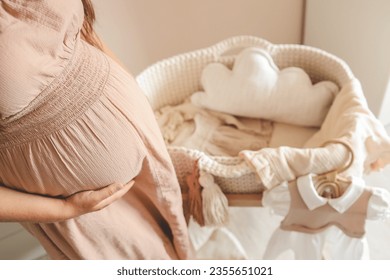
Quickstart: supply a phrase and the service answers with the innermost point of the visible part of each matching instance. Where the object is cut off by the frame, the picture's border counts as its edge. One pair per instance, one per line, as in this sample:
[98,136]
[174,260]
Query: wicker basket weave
[171,81]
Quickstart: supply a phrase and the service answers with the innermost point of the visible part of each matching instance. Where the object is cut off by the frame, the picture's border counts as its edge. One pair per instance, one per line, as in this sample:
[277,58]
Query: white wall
[142,32]
[358,31]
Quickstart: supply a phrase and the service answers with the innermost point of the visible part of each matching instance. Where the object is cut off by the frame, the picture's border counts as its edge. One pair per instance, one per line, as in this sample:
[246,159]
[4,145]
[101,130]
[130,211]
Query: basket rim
[216,50]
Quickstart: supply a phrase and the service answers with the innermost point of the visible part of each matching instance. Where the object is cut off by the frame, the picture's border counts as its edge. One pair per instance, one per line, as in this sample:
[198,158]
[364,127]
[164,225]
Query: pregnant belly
[96,150]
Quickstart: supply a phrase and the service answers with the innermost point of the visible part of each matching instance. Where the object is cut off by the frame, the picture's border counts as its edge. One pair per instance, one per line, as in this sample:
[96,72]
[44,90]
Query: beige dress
[71,119]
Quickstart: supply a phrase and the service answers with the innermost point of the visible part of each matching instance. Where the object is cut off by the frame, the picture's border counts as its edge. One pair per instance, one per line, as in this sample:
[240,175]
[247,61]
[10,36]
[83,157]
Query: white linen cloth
[332,243]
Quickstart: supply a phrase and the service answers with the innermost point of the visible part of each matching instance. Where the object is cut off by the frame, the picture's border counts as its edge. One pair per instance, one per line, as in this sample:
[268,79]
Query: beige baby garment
[214,133]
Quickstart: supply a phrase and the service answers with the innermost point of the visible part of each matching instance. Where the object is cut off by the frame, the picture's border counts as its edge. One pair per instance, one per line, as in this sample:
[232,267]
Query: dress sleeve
[277,199]
[379,205]
[37,39]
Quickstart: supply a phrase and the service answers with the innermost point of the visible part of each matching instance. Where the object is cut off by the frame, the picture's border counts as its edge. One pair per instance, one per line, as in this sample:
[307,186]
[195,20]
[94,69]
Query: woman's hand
[16,206]
[89,201]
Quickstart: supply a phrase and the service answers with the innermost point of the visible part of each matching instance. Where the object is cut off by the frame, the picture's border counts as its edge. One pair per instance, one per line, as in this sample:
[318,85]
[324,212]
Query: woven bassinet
[171,81]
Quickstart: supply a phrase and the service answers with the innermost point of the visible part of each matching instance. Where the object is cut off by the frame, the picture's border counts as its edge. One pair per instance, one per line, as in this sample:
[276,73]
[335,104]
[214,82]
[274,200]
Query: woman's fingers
[109,194]
[90,201]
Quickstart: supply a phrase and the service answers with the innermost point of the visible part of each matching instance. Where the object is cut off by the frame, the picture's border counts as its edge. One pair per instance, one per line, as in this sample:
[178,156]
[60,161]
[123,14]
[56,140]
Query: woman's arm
[18,206]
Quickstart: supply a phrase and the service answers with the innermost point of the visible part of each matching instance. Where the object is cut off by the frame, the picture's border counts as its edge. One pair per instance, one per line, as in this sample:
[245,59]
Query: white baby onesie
[331,242]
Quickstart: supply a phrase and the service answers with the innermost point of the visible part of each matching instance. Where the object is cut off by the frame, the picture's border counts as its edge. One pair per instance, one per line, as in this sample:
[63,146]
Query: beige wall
[142,32]
[358,31]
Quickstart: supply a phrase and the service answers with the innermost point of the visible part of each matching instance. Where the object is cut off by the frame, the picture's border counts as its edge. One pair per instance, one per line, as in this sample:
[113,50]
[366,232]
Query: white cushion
[256,88]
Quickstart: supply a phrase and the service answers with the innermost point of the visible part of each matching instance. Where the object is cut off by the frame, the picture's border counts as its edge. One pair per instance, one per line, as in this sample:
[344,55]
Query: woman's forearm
[16,206]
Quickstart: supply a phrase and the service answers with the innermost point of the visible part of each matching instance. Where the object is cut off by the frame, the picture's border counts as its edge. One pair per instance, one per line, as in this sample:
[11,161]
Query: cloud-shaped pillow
[256,88]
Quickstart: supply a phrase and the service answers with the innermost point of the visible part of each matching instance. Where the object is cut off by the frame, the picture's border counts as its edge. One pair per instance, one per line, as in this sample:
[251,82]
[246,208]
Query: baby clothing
[315,227]
[317,218]
[214,133]
[213,137]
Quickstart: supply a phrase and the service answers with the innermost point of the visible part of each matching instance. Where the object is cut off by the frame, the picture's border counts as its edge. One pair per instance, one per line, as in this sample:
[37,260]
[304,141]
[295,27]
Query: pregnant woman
[71,122]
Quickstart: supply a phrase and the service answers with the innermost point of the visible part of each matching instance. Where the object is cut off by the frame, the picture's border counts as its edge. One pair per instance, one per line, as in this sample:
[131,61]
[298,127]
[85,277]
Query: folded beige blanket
[349,120]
